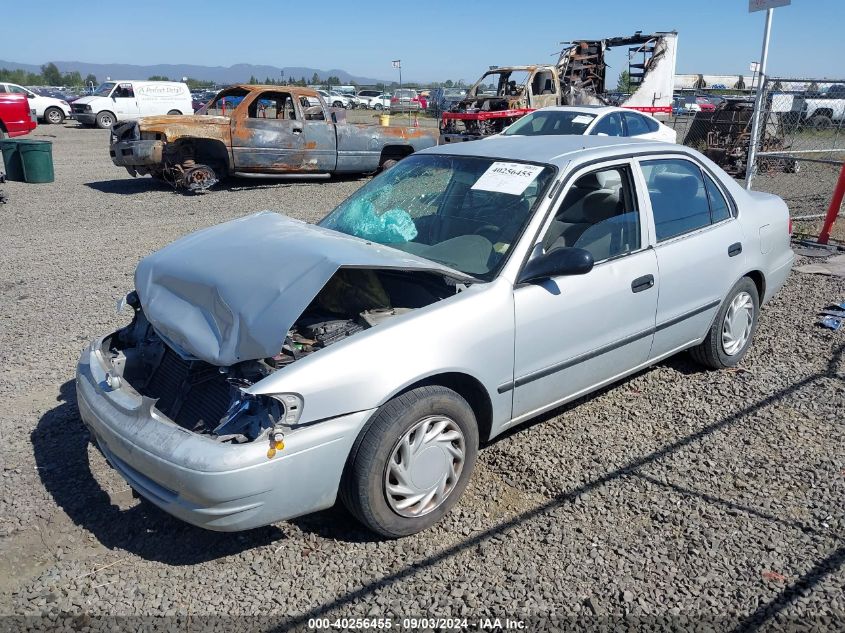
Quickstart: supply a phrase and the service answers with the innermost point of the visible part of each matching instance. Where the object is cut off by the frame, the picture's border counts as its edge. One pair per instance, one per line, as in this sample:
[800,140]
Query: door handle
[297,130]
[642,283]
[734,249]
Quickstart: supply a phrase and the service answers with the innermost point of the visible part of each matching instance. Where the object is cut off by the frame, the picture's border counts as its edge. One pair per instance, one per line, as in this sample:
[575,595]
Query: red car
[16,117]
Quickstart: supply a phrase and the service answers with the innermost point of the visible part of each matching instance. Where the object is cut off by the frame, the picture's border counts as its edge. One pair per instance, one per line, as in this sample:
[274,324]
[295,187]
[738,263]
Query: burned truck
[506,93]
[255,130]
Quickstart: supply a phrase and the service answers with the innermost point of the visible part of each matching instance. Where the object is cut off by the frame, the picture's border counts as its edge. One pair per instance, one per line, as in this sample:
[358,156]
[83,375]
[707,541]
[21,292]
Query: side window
[636,124]
[270,105]
[18,90]
[2,88]
[599,213]
[311,112]
[719,209]
[678,197]
[611,125]
[639,124]
[124,91]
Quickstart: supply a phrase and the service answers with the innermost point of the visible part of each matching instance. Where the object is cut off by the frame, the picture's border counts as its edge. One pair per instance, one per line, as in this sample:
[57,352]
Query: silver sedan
[271,365]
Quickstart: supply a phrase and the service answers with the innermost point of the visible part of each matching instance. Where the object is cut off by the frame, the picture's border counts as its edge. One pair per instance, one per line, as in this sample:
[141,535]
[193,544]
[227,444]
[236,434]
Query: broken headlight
[250,415]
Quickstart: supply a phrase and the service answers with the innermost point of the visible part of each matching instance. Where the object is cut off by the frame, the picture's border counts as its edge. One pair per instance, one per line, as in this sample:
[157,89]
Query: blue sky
[436,40]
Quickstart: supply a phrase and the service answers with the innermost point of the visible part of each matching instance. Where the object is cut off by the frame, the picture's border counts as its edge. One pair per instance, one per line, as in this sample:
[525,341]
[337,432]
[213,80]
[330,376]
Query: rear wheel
[54,116]
[174,112]
[412,463]
[378,106]
[820,122]
[730,336]
[105,120]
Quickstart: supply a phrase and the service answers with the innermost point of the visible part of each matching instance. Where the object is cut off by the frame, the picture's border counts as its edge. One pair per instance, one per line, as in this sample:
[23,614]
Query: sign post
[769,6]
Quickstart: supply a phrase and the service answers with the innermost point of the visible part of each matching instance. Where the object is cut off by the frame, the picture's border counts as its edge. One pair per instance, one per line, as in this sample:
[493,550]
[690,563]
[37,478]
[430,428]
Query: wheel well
[205,152]
[470,390]
[823,112]
[395,152]
[757,277]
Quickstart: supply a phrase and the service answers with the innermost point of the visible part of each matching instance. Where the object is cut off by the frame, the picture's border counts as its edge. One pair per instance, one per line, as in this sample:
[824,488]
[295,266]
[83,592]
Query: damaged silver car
[271,365]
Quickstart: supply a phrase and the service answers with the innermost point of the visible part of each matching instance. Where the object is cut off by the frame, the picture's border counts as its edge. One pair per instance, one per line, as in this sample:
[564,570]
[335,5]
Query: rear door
[699,248]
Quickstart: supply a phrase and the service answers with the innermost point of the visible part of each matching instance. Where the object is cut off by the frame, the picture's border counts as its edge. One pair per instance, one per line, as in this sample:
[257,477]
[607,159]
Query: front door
[125,103]
[267,135]
[576,332]
[699,248]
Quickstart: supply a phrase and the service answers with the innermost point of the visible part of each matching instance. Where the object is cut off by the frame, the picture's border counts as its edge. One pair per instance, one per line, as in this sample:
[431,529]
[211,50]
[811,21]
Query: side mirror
[556,263]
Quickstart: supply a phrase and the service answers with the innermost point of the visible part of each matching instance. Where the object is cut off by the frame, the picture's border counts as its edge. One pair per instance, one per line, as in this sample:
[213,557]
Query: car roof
[555,150]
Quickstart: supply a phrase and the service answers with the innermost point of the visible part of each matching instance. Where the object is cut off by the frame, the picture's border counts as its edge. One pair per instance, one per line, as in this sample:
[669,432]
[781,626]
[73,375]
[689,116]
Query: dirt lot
[676,494]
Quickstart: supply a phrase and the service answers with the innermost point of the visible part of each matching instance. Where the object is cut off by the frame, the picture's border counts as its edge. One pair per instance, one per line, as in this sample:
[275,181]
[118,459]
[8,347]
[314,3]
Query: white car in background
[374,99]
[47,109]
[335,99]
[591,121]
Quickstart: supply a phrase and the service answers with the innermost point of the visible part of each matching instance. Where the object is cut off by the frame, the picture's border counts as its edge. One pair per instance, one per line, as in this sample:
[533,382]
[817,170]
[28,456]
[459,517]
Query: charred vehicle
[506,93]
[272,366]
[724,136]
[258,130]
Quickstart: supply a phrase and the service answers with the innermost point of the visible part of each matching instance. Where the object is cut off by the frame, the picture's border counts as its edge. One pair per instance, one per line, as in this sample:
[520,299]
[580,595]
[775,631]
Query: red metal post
[833,209]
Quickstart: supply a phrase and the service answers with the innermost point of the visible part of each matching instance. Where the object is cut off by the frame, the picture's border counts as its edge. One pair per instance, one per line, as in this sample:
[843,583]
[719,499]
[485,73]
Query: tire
[717,350]
[389,164]
[54,116]
[174,112]
[376,458]
[337,104]
[105,120]
[820,122]
[378,106]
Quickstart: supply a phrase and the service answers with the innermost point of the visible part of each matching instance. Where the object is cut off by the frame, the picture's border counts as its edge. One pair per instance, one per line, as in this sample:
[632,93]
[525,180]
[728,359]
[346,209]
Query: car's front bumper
[211,484]
[132,153]
[86,118]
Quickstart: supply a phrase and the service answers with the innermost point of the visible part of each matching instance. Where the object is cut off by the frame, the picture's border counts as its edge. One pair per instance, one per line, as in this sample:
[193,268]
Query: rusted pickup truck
[249,130]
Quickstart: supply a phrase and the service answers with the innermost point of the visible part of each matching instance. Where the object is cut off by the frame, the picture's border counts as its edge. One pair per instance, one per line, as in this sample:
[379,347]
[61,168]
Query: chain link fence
[800,150]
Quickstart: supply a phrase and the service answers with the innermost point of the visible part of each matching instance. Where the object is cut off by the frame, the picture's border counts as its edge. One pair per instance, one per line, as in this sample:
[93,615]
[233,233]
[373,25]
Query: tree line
[50,75]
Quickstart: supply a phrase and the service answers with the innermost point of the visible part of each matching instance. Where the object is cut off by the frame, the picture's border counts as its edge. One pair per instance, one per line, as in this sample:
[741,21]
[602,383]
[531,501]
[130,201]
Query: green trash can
[12,159]
[37,160]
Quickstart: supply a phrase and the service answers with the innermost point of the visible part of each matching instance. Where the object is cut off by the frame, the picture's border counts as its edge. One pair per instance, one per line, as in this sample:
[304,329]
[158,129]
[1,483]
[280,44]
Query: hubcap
[54,116]
[739,320]
[425,466]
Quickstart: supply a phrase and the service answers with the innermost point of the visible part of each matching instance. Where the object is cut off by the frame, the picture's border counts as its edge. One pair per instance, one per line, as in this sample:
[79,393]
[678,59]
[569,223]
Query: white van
[127,100]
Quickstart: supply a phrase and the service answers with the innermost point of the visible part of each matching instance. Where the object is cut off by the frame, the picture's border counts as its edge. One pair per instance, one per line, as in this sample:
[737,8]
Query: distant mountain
[218,74]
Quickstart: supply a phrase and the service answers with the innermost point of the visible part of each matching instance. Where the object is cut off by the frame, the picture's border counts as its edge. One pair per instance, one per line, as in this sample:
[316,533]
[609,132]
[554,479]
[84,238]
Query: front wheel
[412,463]
[54,116]
[730,336]
[378,106]
[105,120]
[174,113]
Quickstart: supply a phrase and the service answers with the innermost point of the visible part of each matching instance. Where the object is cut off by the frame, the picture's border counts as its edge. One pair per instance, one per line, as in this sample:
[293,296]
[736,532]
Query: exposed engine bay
[210,400]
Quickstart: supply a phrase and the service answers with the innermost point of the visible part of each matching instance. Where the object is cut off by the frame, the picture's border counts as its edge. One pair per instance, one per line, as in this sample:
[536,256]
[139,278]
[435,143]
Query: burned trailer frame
[578,78]
[724,136]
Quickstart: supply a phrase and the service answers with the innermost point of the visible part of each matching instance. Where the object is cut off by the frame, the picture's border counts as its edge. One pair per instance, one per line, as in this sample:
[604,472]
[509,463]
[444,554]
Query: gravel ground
[676,497]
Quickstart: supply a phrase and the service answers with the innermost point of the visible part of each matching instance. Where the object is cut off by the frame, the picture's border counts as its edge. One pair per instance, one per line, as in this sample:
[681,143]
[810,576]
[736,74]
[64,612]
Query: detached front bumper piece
[218,486]
[132,153]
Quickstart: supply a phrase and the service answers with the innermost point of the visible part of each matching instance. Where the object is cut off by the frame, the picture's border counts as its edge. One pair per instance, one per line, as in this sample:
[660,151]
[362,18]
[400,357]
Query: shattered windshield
[550,122]
[104,90]
[464,212]
[226,100]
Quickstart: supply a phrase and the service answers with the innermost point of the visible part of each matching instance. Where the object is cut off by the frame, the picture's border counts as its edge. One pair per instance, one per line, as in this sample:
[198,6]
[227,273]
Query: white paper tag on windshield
[582,118]
[512,178]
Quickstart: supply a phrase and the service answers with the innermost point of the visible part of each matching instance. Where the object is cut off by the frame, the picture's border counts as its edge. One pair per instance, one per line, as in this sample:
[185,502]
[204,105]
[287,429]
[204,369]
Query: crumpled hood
[231,292]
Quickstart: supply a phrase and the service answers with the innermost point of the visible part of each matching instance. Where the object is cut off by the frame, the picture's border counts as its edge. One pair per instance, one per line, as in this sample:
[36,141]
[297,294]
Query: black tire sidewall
[47,116]
[743,285]
[104,127]
[378,445]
